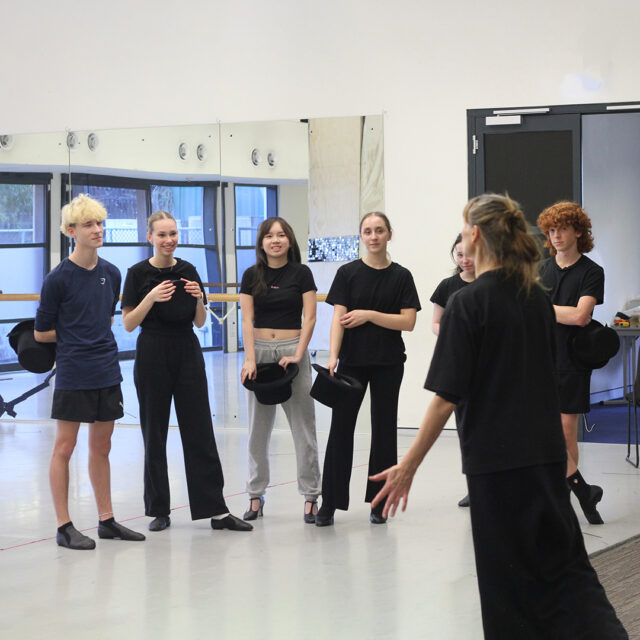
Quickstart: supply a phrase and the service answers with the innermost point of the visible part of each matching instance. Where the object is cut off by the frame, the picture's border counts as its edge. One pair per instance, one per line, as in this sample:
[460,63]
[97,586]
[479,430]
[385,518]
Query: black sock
[64,527]
[578,485]
[108,522]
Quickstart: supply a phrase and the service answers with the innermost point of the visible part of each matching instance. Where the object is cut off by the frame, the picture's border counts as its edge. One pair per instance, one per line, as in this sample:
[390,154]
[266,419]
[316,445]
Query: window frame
[34,178]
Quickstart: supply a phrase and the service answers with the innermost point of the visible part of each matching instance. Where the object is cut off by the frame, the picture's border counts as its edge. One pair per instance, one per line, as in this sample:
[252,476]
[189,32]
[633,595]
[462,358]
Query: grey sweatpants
[301,416]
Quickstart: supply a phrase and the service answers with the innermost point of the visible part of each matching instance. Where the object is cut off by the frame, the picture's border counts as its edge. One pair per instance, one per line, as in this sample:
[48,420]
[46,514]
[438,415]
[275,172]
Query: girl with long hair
[465,274]
[374,300]
[494,361]
[278,302]
[164,296]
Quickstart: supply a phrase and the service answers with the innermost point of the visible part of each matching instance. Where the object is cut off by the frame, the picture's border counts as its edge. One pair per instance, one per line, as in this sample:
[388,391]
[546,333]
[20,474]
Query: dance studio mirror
[220,180]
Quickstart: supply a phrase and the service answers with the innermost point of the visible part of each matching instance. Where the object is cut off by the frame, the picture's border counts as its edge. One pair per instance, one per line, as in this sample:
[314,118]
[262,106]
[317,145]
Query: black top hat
[594,345]
[37,357]
[334,390]
[272,384]
[180,308]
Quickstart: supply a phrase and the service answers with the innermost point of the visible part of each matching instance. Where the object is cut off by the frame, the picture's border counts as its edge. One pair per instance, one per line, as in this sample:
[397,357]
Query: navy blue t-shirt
[79,304]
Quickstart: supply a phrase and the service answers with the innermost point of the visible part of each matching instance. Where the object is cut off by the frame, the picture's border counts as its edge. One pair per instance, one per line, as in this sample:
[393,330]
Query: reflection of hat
[594,345]
[181,307]
[272,384]
[334,390]
[33,356]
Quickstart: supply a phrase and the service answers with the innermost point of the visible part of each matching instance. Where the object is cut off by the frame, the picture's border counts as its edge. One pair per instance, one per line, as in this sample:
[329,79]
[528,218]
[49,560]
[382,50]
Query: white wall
[422,63]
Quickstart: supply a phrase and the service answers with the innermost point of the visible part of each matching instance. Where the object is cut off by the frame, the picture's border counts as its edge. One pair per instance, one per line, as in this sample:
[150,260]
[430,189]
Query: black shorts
[88,405]
[574,389]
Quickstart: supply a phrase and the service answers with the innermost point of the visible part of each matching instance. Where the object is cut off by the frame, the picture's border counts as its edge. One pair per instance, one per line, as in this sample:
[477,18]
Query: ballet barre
[211,297]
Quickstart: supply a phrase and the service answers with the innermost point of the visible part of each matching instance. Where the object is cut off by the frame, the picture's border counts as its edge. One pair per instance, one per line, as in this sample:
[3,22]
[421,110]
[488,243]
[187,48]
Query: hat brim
[594,345]
[272,384]
[334,390]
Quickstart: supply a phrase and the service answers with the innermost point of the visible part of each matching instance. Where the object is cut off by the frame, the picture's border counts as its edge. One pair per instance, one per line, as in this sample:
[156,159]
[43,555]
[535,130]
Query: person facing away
[494,360]
[575,285]
[77,304]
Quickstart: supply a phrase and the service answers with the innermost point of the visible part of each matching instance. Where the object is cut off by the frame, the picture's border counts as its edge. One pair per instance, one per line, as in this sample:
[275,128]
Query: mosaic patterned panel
[338,249]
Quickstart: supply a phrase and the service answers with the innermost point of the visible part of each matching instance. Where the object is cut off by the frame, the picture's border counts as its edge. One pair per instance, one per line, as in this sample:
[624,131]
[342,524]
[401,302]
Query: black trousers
[534,576]
[166,367]
[385,387]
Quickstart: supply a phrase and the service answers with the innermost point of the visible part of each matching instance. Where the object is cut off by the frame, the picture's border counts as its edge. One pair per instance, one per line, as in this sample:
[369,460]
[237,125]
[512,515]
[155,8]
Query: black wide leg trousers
[166,367]
[534,575]
[384,384]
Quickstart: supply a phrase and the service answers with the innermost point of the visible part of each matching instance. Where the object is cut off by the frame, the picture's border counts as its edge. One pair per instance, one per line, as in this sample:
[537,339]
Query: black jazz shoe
[310,518]
[376,517]
[324,517]
[589,505]
[160,523]
[250,514]
[464,502]
[232,523]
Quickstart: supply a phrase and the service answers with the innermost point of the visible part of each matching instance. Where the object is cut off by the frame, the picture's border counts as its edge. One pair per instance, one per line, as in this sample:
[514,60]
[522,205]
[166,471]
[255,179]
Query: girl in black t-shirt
[374,300]
[164,296]
[494,361]
[465,273]
[274,293]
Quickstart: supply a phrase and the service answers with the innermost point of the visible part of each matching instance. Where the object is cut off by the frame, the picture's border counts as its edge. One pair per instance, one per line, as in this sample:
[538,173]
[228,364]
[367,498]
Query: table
[628,337]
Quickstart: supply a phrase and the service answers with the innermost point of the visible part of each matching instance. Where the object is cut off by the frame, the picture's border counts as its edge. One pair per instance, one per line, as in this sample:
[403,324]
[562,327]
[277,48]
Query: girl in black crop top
[278,302]
[374,301]
[164,296]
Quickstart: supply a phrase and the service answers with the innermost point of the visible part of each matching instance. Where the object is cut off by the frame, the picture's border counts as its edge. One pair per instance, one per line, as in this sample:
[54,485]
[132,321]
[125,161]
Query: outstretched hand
[397,482]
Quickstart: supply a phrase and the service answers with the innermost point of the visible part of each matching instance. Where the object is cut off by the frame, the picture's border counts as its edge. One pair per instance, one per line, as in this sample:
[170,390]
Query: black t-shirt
[280,307]
[447,288]
[142,277]
[565,286]
[389,290]
[495,358]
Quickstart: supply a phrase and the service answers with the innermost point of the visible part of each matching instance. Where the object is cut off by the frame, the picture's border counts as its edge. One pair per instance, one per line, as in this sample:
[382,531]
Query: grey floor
[411,578]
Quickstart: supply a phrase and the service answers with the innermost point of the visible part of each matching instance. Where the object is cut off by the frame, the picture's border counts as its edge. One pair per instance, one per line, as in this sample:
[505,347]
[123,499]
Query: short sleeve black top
[447,288]
[495,358]
[565,286]
[389,290]
[280,307]
[142,277]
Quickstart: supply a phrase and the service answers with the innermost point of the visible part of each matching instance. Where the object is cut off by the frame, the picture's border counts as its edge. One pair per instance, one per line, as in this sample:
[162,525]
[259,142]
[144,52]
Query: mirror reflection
[219,180]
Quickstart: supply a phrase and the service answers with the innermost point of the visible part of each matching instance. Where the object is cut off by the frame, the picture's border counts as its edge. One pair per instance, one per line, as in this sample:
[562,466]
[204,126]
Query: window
[24,208]
[254,204]
[129,202]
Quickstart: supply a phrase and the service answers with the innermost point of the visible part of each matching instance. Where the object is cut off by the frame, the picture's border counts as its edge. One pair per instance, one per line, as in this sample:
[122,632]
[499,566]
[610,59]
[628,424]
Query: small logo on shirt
[103,280]
[274,286]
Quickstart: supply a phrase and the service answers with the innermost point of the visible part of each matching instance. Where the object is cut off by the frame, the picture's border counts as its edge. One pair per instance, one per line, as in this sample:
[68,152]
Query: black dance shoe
[376,517]
[232,523]
[250,514]
[112,530]
[160,523]
[589,505]
[310,518]
[71,538]
[464,502]
[324,517]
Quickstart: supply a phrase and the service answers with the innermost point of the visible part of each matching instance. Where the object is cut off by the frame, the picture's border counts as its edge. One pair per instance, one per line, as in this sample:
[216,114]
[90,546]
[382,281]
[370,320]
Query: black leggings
[385,387]
[166,367]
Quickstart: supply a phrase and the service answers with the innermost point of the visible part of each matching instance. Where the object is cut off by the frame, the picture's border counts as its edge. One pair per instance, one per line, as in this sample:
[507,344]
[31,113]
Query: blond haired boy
[77,304]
